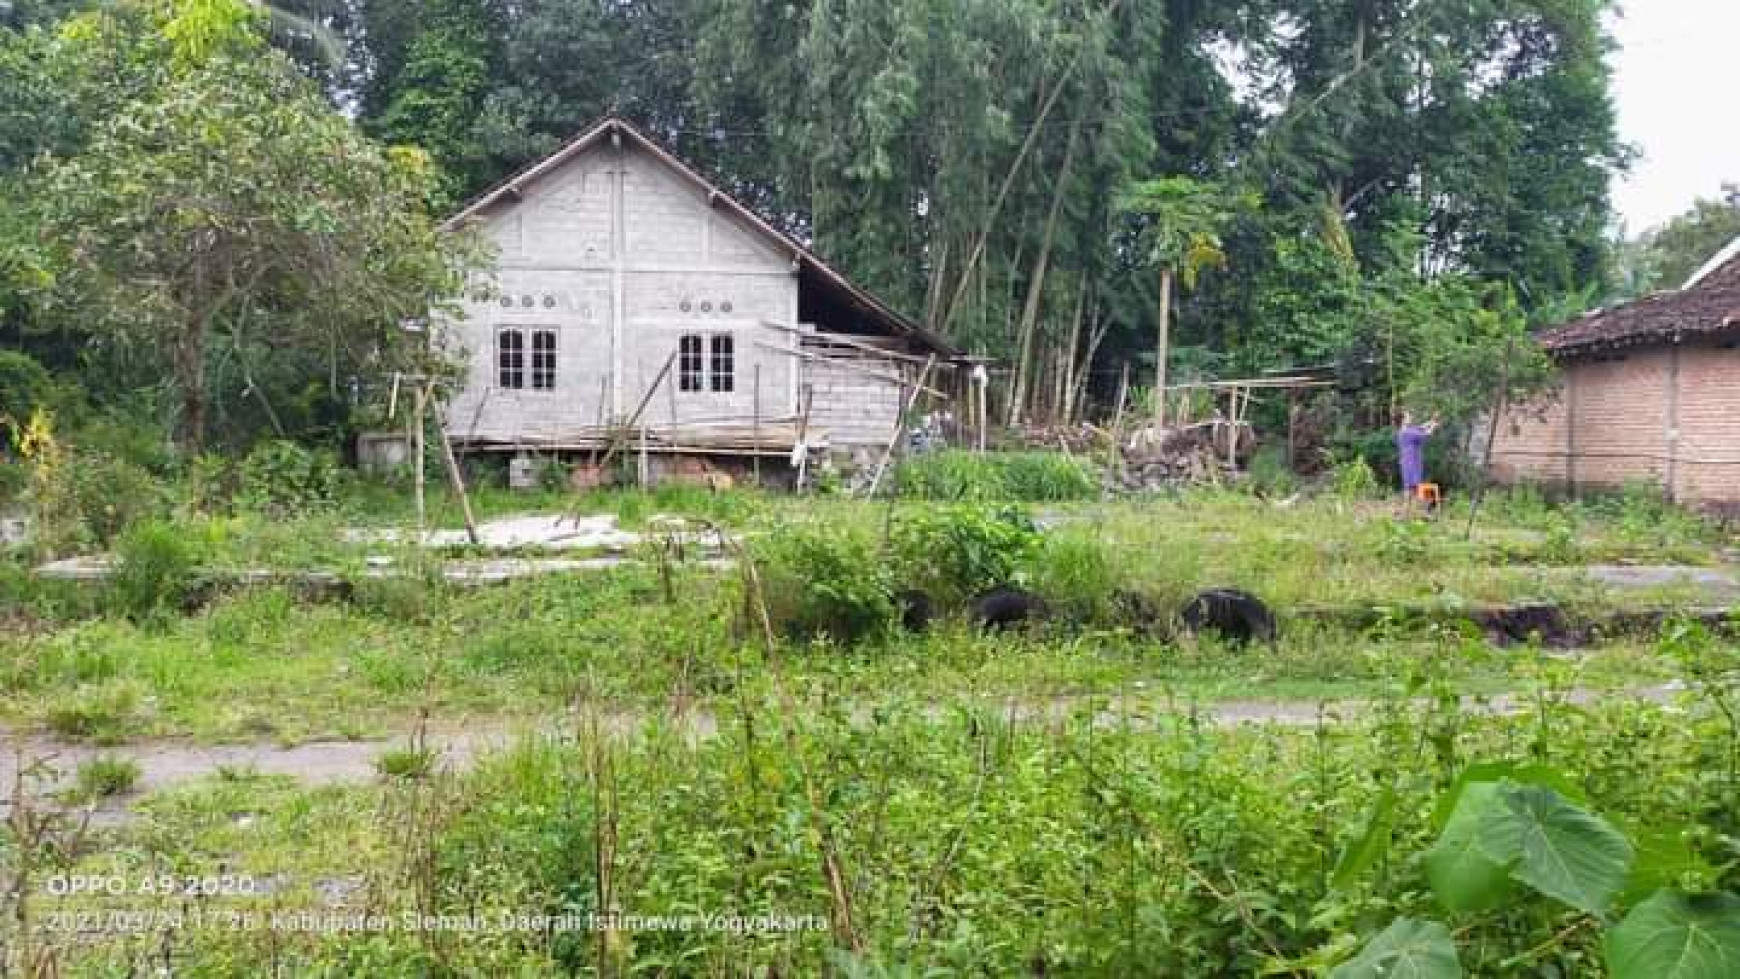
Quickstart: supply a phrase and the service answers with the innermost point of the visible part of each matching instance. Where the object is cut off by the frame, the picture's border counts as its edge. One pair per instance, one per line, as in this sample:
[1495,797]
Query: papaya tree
[1184,220]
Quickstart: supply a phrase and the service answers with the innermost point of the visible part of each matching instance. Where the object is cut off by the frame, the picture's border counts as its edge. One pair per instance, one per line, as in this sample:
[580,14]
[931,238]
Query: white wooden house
[635,299]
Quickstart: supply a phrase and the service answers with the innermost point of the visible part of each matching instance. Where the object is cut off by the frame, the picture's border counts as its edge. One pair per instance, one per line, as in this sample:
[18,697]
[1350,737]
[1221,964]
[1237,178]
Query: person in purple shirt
[1411,448]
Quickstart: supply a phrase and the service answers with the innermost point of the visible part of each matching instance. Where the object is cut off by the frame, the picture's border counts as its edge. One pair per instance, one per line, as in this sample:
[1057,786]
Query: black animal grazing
[1003,607]
[1236,616]
[917,610]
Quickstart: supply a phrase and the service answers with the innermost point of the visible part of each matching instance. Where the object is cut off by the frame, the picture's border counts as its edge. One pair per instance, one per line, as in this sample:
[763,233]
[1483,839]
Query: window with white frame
[510,358]
[544,360]
[722,370]
[690,364]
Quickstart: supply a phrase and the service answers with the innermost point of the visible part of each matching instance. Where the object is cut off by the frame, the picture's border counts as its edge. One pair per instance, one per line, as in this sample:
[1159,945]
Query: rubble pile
[1212,451]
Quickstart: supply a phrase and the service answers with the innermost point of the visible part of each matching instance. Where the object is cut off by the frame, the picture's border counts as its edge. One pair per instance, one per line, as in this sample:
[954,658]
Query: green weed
[105,776]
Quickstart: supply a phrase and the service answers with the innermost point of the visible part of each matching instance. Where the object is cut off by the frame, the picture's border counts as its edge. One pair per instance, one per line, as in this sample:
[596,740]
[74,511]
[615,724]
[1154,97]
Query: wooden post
[419,451]
[755,424]
[1164,347]
[804,435]
[1117,466]
[645,462]
[984,397]
[454,477]
[640,409]
[900,424]
[1292,430]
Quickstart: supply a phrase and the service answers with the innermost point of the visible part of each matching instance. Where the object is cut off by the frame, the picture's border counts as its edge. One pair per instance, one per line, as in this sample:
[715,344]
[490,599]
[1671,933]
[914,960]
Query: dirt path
[166,764]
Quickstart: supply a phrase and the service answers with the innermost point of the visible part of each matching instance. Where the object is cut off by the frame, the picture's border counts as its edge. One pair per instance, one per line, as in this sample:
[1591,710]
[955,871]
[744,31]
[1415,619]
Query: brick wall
[854,408]
[1665,415]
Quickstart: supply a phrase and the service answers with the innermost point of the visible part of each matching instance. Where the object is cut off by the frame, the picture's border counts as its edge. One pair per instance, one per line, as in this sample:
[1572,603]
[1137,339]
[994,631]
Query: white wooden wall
[620,256]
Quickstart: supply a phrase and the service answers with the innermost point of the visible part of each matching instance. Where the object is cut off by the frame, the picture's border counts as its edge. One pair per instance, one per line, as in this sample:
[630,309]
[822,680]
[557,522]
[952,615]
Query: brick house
[631,294]
[1650,392]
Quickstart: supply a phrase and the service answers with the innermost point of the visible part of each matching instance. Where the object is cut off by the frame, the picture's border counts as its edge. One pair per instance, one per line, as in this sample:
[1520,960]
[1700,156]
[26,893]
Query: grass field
[880,802]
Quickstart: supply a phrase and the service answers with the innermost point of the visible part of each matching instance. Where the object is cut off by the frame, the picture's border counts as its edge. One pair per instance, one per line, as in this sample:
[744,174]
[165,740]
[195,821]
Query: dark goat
[917,610]
[1003,607]
[1236,616]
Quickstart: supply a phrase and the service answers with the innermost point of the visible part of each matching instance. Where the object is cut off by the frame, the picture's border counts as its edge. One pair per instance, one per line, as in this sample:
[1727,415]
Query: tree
[1672,252]
[230,199]
[1184,219]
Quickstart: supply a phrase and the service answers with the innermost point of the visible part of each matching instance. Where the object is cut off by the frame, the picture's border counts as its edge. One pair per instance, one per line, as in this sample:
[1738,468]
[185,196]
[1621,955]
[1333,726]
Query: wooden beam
[849,366]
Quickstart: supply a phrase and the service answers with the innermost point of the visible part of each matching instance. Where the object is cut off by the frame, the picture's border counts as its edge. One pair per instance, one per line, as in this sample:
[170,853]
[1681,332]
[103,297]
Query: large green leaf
[1407,949]
[1502,831]
[1498,771]
[1677,936]
[1567,852]
[1469,866]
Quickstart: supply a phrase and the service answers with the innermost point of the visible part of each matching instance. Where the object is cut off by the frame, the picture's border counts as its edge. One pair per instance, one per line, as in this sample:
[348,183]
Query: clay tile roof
[1709,304]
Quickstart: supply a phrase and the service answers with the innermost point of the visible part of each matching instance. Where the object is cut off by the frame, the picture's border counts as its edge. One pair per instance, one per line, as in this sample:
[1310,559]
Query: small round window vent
[725,307]
[507,301]
[685,306]
[706,307]
[549,302]
[526,301]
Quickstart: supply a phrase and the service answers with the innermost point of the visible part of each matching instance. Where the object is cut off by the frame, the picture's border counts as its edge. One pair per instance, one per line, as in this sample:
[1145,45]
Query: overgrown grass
[1116,839]
[103,777]
[1035,477]
[269,663]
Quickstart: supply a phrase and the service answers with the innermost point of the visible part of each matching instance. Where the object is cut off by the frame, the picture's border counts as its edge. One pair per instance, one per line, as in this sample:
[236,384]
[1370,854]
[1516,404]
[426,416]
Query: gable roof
[813,273]
[1708,304]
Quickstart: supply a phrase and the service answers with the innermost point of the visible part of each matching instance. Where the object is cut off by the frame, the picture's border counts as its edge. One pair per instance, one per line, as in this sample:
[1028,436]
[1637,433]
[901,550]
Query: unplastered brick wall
[1651,414]
[854,408]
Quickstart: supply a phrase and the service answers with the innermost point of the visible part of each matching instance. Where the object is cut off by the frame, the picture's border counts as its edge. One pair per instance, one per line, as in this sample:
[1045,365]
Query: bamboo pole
[803,437]
[755,422]
[1117,466]
[900,424]
[456,478]
[646,398]
[419,451]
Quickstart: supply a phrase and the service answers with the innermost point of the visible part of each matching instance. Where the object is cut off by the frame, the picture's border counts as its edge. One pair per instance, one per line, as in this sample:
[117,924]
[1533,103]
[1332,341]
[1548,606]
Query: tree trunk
[1036,286]
[1163,347]
[190,376]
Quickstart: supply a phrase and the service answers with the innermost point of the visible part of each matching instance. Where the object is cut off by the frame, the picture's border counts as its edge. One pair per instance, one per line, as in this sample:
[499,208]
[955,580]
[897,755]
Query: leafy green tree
[1671,253]
[229,201]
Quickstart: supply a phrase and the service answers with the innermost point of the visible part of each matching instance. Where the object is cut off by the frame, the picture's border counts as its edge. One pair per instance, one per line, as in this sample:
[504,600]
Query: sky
[1672,80]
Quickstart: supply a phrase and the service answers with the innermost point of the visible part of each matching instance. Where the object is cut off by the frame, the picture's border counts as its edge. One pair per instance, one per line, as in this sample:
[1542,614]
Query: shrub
[24,387]
[824,581]
[955,552]
[1269,473]
[14,479]
[1074,573]
[1023,476]
[1355,480]
[211,482]
[282,477]
[86,500]
[105,776]
[154,571]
